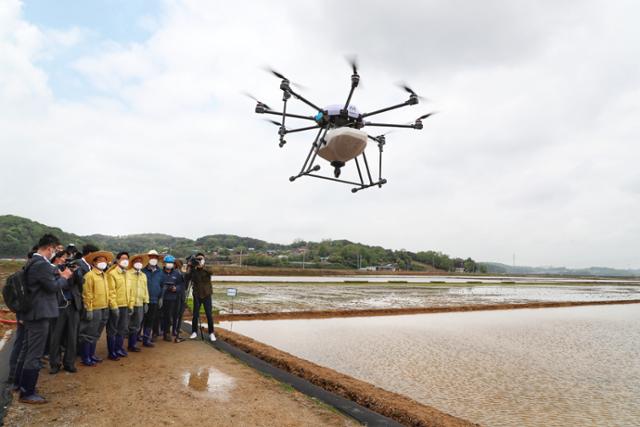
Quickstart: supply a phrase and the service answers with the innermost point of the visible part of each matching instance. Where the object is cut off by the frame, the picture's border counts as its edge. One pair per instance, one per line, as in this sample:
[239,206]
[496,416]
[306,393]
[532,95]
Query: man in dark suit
[43,281]
[65,330]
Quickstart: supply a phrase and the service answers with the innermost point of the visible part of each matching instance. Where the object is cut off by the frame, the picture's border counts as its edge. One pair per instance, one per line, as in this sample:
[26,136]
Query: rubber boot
[95,358]
[85,354]
[111,348]
[120,351]
[146,340]
[28,387]
[133,340]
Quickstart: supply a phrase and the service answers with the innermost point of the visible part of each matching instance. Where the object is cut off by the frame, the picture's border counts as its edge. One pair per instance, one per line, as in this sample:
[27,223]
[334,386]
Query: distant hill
[18,235]
[498,268]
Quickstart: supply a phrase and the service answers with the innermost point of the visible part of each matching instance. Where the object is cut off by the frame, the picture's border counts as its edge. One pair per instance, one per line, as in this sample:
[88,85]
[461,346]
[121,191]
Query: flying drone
[339,136]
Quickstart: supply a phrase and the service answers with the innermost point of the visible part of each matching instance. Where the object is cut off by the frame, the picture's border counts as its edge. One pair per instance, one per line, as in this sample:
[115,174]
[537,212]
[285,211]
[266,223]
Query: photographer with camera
[173,288]
[65,328]
[43,282]
[200,278]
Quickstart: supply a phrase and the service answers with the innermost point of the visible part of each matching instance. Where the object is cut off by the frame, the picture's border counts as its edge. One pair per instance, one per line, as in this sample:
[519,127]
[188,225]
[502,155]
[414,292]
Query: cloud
[532,151]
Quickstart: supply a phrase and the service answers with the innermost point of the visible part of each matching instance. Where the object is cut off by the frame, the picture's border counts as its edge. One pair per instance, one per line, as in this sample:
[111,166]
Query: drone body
[339,138]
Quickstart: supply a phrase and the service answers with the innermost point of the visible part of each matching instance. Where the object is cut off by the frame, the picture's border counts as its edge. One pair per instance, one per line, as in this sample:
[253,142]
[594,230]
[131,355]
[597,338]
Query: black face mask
[62,267]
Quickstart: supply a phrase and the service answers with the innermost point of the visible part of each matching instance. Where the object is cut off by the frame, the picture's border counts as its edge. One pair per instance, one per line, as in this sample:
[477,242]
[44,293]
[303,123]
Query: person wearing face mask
[172,290]
[140,295]
[99,302]
[65,331]
[43,282]
[154,289]
[200,278]
[118,326]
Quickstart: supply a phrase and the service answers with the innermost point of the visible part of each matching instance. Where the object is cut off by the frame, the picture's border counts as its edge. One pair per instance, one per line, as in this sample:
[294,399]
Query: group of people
[73,296]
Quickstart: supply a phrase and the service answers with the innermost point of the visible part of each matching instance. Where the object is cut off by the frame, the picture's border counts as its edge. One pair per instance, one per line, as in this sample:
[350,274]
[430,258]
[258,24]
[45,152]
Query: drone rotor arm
[290,115]
[411,101]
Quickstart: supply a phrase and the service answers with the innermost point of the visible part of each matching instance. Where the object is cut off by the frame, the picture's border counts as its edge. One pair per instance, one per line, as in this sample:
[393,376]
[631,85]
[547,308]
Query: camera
[71,265]
[192,261]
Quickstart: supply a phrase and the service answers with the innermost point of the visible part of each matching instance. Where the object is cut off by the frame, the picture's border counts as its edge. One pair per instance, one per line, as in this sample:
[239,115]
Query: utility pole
[240,257]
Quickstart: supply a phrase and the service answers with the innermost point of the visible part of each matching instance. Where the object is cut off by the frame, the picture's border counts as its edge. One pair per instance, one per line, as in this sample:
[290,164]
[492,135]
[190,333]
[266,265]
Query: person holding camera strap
[65,332]
[200,277]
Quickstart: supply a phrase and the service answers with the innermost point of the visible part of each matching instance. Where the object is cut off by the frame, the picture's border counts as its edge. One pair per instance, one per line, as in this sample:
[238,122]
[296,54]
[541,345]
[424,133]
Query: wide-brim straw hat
[90,258]
[144,257]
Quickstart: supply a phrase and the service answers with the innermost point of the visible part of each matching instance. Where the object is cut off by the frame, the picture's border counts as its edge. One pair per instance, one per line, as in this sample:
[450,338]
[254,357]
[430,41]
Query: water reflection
[296,297]
[214,383]
[559,366]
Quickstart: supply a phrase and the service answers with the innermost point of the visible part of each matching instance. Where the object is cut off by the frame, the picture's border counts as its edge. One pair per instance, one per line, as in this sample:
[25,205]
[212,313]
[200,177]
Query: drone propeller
[353,61]
[411,91]
[277,74]
[256,99]
[274,122]
[424,116]
[283,77]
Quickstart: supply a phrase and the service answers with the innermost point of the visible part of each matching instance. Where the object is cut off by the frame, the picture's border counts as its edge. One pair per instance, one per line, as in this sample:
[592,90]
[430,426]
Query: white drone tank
[343,144]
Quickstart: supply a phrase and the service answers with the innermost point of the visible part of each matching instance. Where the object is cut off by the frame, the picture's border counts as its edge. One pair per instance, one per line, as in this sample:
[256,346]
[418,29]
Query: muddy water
[209,381]
[260,298]
[560,366]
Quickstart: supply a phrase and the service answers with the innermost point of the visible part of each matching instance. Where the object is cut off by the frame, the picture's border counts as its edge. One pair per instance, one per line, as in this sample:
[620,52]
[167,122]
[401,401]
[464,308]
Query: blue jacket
[154,283]
[172,278]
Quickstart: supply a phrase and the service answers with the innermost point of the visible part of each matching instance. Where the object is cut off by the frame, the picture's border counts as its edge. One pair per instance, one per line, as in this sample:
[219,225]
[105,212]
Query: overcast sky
[122,117]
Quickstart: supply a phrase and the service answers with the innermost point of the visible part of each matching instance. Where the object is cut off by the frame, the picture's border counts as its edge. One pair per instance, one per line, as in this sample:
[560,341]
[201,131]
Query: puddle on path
[210,382]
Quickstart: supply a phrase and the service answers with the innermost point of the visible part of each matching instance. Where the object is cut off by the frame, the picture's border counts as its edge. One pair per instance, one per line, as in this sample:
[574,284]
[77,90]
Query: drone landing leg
[314,147]
[366,164]
[359,171]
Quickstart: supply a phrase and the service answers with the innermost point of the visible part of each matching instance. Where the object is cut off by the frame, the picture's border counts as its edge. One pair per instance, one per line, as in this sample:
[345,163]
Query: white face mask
[124,263]
[101,265]
[202,262]
[137,266]
[153,262]
[53,254]
[168,265]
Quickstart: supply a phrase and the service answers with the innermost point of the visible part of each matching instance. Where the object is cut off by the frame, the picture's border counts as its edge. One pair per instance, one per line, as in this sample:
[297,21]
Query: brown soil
[170,385]
[401,311]
[393,405]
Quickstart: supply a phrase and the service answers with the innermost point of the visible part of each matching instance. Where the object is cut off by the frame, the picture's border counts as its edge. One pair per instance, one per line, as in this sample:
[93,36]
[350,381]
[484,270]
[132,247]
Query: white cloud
[533,151]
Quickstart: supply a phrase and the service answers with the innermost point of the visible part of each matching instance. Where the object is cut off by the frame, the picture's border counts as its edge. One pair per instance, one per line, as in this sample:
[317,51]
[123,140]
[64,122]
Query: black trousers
[65,333]
[152,318]
[206,302]
[169,308]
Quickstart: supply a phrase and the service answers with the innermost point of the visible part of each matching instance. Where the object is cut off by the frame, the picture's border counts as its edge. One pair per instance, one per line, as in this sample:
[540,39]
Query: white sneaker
[212,336]
[193,336]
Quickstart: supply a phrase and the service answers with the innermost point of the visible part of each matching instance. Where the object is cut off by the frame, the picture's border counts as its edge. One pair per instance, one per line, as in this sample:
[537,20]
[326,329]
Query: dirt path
[173,384]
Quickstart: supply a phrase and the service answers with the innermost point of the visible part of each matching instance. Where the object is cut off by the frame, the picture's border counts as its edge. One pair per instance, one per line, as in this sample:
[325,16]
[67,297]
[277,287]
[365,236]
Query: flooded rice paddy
[559,366]
[281,297]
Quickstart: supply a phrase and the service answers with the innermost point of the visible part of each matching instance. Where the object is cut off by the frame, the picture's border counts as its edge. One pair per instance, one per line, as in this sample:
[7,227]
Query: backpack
[15,293]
